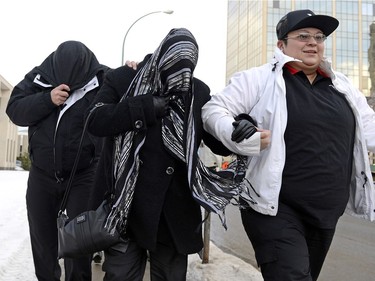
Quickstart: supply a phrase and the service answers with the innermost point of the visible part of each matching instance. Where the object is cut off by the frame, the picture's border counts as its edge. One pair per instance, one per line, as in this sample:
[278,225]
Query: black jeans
[43,198]
[165,264]
[286,248]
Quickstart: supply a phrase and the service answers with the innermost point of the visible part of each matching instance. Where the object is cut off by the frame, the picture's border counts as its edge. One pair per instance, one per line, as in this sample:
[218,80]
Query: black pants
[165,264]
[43,200]
[286,248]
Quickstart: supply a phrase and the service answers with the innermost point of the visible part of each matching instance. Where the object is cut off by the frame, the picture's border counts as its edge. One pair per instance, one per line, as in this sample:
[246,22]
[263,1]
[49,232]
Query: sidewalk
[16,263]
[221,267]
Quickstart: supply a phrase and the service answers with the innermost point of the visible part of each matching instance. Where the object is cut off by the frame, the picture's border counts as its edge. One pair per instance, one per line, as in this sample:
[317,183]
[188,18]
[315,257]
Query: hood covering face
[168,72]
[72,64]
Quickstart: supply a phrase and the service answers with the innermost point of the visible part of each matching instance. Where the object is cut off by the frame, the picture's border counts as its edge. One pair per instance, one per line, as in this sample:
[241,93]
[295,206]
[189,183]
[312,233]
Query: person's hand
[60,94]
[243,129]
[161,106]
[132,64]
[265,138]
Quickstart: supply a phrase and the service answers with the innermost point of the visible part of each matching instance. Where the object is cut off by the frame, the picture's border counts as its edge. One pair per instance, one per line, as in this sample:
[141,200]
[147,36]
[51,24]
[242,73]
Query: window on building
[276,4]
[368,9]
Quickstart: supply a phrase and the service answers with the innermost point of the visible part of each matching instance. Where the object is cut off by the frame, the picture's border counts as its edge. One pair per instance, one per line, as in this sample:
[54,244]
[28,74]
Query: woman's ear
[280,45]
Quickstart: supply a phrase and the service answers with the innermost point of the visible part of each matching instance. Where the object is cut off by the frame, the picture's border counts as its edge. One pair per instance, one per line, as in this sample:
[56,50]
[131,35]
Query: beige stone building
[13,140]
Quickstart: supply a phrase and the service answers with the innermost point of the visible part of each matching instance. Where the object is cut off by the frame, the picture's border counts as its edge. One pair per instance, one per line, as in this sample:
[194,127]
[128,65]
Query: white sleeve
[368,119]
[365,112]
[218,114]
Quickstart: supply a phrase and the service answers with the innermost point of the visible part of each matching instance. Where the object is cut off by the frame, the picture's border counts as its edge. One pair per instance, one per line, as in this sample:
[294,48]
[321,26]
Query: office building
[9,132]
[251,35]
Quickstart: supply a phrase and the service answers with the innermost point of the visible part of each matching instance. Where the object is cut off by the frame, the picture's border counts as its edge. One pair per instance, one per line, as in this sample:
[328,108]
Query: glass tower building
[251,35]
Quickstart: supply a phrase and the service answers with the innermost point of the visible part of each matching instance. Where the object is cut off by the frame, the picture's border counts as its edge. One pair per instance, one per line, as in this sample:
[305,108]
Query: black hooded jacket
[53,148]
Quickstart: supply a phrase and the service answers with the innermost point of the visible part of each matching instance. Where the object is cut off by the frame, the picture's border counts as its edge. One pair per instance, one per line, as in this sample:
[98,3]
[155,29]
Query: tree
[25,161]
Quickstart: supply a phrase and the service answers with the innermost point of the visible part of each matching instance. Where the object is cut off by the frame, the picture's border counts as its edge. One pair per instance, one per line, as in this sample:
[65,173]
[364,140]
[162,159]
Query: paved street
[351,257]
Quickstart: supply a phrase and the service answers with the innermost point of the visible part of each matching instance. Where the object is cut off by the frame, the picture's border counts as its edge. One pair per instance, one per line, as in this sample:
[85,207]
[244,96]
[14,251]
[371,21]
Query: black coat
[162,190]
[30,105]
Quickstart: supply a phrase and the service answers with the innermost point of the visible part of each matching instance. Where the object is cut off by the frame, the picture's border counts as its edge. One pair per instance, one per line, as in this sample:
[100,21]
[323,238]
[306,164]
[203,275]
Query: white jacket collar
[77,95]
[280,59]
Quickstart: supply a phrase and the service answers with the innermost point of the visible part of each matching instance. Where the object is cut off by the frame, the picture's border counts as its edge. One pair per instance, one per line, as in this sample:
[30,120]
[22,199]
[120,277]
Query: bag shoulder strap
[72,173]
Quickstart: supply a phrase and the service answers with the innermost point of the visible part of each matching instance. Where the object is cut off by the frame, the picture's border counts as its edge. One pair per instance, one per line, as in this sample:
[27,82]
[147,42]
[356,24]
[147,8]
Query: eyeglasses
[305,37]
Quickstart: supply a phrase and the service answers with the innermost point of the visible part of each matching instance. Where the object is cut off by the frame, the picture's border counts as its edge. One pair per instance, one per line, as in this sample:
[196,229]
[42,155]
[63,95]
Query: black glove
[243,129]
[161,106]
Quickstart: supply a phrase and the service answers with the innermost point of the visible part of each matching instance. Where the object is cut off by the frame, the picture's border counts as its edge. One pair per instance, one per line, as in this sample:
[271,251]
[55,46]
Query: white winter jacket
[260,92]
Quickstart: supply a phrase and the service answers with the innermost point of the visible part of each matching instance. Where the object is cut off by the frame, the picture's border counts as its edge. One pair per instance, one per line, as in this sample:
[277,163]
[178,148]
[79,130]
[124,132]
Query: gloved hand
[243,129]
[161,106]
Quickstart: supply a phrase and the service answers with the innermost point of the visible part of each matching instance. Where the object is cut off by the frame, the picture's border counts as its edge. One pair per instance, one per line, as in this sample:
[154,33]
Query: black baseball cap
[305,18]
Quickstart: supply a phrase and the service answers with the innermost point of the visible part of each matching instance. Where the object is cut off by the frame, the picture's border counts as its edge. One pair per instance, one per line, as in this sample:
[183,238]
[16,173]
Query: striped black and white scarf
[168,72]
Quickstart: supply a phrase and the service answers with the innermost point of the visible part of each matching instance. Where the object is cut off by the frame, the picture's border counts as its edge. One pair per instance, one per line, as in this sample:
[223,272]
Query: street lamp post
[123,42]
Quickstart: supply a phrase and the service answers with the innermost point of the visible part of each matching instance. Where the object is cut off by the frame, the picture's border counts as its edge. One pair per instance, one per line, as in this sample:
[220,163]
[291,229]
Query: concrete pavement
[221,267]
[16,261]
[98,274]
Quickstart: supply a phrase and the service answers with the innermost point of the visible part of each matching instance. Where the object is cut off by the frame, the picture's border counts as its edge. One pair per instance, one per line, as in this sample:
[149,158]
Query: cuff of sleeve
[244,116]
[141,111]
[46,97]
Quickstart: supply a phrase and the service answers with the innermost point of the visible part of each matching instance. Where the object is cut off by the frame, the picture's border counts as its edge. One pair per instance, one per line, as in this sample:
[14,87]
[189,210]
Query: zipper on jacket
[98,104]
[30,144]
[58,180]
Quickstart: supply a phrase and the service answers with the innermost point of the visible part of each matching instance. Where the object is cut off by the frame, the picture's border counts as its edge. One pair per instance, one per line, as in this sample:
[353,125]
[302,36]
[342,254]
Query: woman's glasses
[305,37]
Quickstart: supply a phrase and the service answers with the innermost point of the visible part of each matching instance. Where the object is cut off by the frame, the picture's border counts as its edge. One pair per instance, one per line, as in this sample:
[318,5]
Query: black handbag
[85,234]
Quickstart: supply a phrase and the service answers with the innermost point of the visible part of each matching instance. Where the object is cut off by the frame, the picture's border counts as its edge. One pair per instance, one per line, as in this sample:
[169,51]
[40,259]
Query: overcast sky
[31,30]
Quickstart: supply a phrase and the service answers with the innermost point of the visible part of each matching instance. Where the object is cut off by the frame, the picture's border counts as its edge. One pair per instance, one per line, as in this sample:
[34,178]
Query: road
[351,257]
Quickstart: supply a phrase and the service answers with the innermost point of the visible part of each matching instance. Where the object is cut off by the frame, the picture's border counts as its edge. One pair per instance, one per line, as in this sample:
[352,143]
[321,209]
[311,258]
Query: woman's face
[310,52]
